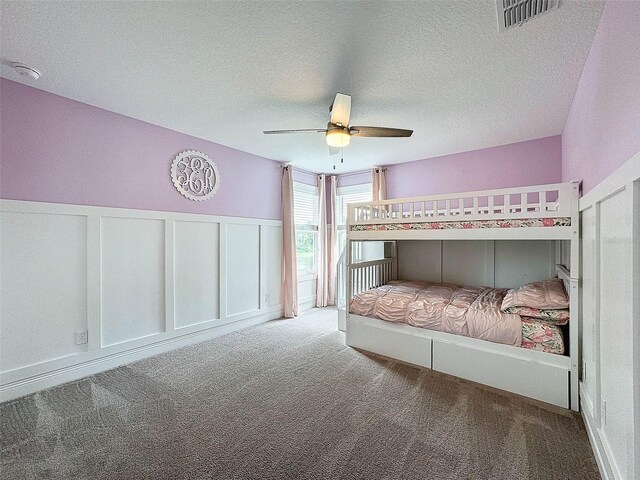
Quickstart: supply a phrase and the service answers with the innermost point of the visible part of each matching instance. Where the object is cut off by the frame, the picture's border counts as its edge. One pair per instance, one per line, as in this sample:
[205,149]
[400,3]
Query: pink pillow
[549,294]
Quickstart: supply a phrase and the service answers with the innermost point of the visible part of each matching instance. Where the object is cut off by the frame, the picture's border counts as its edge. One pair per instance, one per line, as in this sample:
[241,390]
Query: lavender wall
[356,178]
[603,127]
[58,150]
[535,162]
[305,177]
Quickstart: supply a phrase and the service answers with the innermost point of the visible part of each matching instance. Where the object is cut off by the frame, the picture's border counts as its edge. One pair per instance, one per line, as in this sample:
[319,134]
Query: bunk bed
[544,212]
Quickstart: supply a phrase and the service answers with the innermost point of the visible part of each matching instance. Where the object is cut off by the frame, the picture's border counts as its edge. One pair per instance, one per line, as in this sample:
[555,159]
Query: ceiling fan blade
[303,130]
[341,109]
[379,132]
[333,150]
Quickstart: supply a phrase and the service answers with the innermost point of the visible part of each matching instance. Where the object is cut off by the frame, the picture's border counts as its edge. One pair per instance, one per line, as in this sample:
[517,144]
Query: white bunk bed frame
[506,367]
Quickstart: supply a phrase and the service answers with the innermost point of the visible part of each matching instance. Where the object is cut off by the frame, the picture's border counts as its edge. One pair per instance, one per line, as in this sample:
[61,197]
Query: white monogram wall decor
[195,175]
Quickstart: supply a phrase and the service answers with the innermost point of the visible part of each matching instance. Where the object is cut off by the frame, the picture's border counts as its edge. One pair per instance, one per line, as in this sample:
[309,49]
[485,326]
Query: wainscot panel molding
[135,283]
[610,301]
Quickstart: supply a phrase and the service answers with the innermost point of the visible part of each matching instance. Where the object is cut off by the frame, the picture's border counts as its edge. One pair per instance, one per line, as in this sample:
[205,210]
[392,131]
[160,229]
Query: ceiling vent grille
[514,13]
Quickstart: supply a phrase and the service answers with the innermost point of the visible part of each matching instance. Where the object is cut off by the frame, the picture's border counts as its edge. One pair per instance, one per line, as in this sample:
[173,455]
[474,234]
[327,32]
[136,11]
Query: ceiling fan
[338,132]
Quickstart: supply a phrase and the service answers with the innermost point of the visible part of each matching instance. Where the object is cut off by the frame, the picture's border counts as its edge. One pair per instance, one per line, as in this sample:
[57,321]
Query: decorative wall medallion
[195,175]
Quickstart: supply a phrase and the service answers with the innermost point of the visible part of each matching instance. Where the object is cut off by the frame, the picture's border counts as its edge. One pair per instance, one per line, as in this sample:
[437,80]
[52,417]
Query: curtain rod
[302,170]
[349,174]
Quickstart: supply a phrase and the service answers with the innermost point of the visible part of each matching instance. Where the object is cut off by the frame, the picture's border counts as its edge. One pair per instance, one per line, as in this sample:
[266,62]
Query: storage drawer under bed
[397,342]
[538,375]
[541,381]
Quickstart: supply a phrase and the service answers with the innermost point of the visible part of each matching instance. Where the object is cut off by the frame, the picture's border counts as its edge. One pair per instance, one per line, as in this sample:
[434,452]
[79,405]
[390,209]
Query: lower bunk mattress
[469,311]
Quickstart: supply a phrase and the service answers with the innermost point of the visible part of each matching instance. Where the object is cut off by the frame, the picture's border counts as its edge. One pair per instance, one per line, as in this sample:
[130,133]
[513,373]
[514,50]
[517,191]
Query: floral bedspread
[513,223]
[542,336]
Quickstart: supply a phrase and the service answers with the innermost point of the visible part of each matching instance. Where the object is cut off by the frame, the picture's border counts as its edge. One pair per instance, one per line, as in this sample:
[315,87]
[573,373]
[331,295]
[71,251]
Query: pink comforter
[469,311]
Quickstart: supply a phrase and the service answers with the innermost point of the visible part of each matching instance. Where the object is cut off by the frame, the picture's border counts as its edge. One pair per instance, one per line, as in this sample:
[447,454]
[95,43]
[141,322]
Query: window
[352,194]
[305,212]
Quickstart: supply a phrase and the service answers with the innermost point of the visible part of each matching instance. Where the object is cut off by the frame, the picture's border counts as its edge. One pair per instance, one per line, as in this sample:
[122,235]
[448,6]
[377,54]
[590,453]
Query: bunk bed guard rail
[367,275]
[549,201]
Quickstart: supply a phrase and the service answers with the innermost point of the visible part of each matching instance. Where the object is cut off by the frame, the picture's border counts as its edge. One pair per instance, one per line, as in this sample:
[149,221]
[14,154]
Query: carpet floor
[286,400]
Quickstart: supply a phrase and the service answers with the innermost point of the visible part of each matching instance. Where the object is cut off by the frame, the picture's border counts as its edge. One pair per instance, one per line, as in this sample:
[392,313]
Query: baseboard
[606,472]
[52,378]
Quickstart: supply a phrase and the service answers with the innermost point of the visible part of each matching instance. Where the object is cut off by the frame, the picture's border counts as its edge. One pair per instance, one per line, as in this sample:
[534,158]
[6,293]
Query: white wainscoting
[196,272]
[132,283]
[610,299]
[139,282]
[492,263]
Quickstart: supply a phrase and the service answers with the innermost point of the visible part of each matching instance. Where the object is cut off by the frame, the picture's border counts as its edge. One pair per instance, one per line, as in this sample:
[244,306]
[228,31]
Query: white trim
[24,206]
[169,276]
[606,448]
[222,259]
[50,378]
[94,280]
[604,467]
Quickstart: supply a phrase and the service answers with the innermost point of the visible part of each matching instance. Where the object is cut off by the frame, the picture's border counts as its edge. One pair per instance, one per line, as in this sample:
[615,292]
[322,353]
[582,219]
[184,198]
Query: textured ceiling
[225,71]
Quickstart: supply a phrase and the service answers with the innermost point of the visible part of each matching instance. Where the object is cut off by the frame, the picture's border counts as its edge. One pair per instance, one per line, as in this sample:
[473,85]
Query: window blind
[305,207]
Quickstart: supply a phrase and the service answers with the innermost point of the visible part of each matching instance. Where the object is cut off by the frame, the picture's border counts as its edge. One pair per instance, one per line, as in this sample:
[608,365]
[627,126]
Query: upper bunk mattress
[469,311]
[465,224]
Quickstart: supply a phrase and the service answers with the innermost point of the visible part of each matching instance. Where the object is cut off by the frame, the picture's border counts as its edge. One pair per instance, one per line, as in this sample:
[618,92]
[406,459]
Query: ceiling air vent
[513,13]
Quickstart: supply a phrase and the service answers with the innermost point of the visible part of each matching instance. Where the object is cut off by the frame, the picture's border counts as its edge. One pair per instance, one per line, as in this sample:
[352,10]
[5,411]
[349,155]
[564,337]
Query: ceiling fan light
[338,138]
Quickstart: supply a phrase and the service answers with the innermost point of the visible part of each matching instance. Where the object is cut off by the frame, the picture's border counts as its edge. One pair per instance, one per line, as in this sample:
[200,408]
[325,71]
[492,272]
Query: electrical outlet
[603,411]
[266,298]
[81,337]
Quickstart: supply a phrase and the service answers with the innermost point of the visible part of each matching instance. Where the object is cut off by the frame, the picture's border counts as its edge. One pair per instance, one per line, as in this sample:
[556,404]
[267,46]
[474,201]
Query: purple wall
[356,178]
[603,127]
[305,177]
[535,162]
[58,150]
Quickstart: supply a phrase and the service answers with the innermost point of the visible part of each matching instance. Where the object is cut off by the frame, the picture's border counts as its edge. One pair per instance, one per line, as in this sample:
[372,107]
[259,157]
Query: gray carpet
[286,400]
